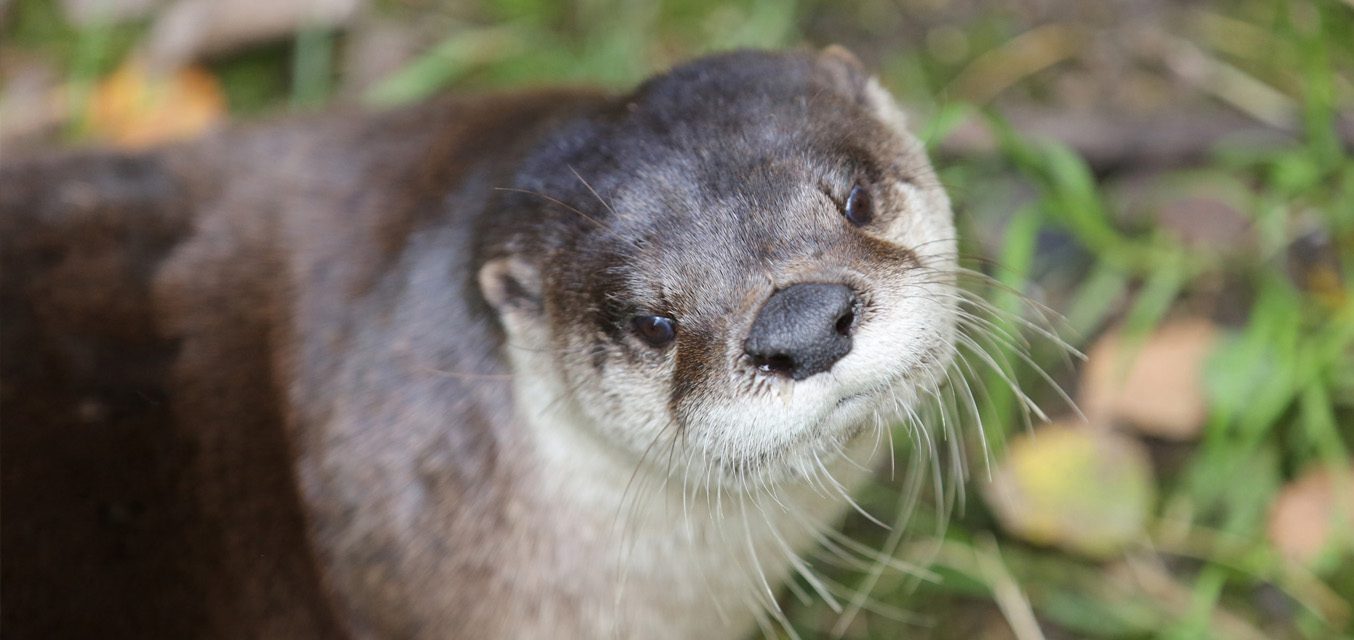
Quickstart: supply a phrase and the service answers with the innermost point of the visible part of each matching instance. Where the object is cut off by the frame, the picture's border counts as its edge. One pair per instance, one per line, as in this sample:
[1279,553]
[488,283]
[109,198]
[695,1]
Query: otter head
[732,272]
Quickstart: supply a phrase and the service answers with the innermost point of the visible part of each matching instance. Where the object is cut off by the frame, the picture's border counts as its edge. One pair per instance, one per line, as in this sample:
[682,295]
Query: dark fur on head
[698,196]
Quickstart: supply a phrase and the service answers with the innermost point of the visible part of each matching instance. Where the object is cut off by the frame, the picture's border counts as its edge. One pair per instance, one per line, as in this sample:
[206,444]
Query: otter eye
[655,331]
[859,208]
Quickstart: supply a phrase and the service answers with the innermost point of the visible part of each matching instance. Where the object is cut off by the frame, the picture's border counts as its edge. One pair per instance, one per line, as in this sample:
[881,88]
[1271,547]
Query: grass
[1280,388]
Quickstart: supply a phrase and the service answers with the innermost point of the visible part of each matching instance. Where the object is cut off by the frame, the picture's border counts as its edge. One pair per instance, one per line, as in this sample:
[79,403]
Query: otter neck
[690,561]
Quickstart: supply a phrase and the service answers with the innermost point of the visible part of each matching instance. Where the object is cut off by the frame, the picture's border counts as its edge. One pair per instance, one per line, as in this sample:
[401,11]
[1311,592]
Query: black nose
[803,329]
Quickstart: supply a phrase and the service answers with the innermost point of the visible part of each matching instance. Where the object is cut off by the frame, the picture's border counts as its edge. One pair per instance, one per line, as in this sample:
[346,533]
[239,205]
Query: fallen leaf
[1309,510]
[1205,221]
[1155,387]
[1203,213]
[131,108]
[1086,490]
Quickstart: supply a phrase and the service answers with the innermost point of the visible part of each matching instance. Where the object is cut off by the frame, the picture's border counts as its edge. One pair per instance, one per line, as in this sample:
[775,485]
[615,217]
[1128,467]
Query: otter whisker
[636,503]
[465,375]
[773,603]
[878,423]
[851,461]
[690,539]
[591,190]
[558,202]
[799,593]
[971,298]
[951,418]
[1039,371]
[974,378]
[850,554]
[760,614]
[765,595]
[871,604]
[803,568]
[846,495]
[1001,372]
[905,507]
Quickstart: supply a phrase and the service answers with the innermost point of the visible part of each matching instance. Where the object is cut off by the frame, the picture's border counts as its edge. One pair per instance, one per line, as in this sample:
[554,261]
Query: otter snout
[803,329]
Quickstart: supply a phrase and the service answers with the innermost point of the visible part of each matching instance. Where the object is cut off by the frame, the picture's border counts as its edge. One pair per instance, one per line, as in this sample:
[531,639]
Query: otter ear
[848,71]
[511,284]
[837,54]
[844,67]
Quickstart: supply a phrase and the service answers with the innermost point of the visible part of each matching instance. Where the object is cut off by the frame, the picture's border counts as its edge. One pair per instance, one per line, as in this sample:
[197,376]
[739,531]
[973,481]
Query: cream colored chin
[762,444]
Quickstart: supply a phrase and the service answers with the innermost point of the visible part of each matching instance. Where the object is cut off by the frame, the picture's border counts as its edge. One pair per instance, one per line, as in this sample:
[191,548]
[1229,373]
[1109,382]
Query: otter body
[542,365]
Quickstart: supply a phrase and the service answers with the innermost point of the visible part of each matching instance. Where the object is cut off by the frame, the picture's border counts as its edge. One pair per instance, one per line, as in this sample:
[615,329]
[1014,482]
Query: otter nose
[803,329]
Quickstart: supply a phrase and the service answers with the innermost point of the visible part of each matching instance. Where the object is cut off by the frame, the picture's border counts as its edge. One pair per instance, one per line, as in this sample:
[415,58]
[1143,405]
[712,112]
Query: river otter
[548,364]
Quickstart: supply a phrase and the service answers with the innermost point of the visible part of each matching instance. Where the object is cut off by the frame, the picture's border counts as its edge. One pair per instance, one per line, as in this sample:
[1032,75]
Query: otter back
[148,486]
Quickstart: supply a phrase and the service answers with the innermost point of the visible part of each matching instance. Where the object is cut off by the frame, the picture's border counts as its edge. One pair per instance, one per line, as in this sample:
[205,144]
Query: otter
[557,363]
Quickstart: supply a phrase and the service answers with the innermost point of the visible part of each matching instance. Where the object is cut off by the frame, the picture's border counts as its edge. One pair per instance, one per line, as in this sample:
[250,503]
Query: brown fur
[373,375]
[149,489]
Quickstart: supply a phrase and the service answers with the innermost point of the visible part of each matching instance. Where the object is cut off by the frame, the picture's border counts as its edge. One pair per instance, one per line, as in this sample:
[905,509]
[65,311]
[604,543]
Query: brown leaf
[1155,387]
[1206,221]
[1309,510]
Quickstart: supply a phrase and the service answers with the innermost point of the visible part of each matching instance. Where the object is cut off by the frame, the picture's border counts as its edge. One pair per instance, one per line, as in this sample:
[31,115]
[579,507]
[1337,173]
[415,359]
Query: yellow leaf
[133,108]
[1084,490]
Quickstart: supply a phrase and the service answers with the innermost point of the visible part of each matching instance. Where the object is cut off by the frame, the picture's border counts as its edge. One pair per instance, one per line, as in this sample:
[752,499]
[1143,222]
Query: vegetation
[1057,243]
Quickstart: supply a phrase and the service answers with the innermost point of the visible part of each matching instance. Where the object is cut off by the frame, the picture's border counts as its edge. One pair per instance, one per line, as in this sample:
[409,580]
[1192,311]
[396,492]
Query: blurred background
[1165,186]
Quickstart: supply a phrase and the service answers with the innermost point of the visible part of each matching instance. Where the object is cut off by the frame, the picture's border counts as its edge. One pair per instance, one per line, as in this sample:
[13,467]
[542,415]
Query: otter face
[750,263]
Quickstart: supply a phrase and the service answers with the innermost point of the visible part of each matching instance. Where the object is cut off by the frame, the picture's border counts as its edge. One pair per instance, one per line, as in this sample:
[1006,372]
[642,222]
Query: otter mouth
[849,399]
[825,438]
[832,437]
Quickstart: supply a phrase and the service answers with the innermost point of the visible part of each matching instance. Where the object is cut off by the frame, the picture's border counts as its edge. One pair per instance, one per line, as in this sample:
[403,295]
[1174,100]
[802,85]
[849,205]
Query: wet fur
[366,375]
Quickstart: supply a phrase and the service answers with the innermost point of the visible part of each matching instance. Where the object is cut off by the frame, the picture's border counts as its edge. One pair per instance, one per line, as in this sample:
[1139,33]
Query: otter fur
[542,364]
